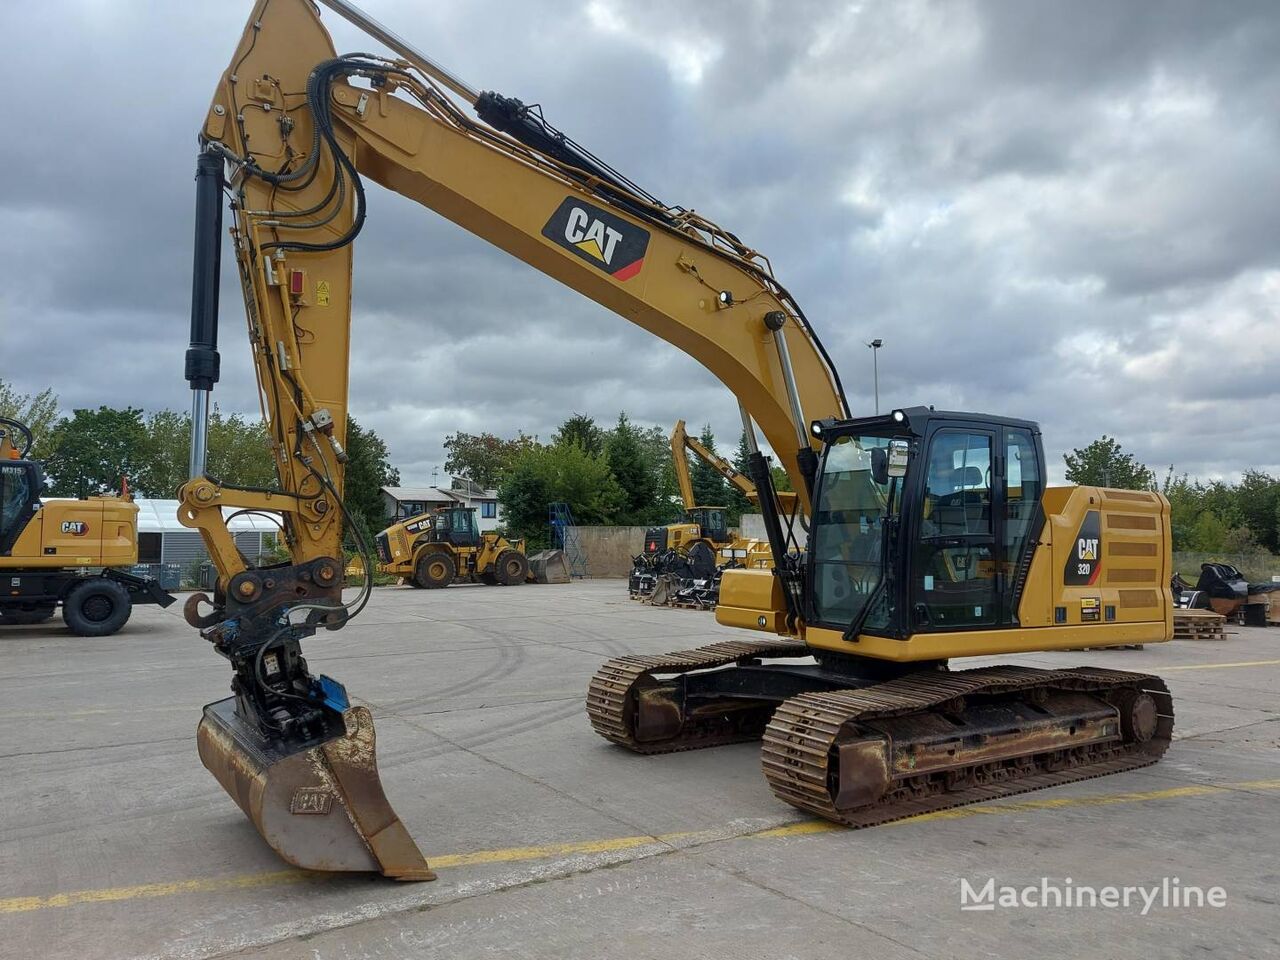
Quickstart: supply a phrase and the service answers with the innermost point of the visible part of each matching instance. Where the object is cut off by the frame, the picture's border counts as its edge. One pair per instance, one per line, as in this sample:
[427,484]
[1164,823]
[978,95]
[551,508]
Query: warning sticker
[322,293]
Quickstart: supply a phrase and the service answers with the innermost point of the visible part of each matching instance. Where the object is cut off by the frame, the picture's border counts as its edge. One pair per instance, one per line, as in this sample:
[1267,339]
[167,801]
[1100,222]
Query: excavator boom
[293,131]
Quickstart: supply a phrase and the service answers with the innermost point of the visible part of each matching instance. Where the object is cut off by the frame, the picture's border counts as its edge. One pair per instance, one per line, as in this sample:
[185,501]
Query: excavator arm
[681,442]
[291,135]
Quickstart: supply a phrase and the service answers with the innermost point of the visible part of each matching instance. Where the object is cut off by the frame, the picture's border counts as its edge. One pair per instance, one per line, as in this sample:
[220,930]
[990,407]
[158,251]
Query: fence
[609,550]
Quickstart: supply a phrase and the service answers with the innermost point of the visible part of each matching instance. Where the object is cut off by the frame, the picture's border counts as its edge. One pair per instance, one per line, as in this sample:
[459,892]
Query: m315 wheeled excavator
[73,553]
[932,535]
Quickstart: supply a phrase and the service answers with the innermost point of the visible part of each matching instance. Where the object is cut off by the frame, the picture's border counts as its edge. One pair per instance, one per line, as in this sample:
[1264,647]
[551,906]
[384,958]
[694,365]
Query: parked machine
[931,535]
[682,562]
[65,552]
[446,546]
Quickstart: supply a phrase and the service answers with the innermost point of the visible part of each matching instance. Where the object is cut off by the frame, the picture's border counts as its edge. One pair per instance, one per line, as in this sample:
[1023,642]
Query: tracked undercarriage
[866,744]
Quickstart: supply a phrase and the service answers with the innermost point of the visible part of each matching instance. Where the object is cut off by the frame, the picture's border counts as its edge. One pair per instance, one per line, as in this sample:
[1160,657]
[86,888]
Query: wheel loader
[932,536]
[445,546]
[65,552]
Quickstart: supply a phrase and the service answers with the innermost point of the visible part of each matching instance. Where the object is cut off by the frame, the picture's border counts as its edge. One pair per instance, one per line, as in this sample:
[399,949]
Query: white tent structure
[163,539]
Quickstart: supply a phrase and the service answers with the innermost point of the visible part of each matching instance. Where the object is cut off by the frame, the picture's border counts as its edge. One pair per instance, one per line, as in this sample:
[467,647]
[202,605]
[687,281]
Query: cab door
[19,500]
[1022,517]
[955,558]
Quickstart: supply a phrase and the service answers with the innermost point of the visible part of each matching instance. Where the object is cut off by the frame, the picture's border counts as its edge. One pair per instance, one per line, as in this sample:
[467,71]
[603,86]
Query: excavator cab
[21,481]
[921,521]
[712,523]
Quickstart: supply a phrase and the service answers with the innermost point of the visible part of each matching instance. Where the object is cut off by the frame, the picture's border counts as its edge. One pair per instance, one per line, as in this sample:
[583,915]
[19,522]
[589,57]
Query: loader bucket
[320,806]
[549,566]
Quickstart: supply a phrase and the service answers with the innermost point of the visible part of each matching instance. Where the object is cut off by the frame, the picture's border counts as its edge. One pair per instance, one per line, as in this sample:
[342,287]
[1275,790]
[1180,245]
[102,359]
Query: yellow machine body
[1130,602]
[423,554]
[95,532]
[292,133]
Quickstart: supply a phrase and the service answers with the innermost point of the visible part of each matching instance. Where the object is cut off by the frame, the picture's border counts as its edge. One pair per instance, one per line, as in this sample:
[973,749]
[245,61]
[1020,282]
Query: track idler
[318,804]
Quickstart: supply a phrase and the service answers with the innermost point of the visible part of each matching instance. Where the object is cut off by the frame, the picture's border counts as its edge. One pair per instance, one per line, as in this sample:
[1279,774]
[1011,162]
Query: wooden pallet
[1198,625]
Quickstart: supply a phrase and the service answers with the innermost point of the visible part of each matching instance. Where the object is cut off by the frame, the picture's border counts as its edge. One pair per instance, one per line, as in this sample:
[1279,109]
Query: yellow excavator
[682,562]
[73,553]
[931,535]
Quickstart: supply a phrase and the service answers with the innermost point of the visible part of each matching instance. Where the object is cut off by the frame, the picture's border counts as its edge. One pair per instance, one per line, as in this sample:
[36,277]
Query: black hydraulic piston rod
[202,362]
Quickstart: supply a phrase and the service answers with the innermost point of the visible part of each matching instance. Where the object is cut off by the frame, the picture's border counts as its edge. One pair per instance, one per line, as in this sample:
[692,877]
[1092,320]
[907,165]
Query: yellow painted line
[146,890]
[1059,803]
[516,854]
[1219,666]
[1025,806]
[546,851]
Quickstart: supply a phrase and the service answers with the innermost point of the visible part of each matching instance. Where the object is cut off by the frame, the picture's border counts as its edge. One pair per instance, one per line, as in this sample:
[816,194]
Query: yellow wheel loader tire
[96,608]
[435,570]
[511,568]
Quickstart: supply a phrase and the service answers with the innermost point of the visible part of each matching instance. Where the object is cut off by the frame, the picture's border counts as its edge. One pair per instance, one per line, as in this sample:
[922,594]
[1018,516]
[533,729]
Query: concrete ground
[115,842]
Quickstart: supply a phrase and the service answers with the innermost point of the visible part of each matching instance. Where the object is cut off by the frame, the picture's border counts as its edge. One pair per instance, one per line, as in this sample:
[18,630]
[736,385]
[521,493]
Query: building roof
[420,493]
[161,516]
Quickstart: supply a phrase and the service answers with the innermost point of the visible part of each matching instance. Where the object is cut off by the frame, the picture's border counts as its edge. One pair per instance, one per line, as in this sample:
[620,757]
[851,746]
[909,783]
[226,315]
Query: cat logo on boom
[77,528]
[599,237]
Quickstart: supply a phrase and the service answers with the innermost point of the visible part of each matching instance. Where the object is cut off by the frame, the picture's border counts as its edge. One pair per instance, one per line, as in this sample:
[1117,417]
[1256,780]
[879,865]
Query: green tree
[655,446]
[781,479]
[738,502]
[1257,500]
[369,469]
[709,488]
[483,458]
[583,431]
[1186,503]
[1104,464]
[626,462]
[239,452]
[91,451]
[38,411]
[544,475]
[1207,534]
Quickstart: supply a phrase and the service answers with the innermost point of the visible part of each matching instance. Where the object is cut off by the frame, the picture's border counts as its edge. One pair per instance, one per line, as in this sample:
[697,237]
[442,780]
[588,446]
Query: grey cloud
[1059,211]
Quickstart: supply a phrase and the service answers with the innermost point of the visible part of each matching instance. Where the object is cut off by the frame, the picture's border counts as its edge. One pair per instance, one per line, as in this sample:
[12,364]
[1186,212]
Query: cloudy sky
[1063,211]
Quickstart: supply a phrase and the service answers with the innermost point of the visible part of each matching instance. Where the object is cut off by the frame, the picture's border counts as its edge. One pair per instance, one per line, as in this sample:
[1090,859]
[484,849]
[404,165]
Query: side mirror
[880,465]
[898,455]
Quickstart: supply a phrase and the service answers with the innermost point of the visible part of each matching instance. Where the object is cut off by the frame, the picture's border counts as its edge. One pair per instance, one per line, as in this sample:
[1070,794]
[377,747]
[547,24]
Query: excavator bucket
[320,805]
[549,566]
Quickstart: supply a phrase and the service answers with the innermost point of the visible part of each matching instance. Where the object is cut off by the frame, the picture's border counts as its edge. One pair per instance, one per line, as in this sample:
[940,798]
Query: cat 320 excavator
[932,535]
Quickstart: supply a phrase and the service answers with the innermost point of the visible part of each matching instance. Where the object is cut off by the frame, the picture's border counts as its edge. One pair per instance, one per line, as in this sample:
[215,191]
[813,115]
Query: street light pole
[875,346]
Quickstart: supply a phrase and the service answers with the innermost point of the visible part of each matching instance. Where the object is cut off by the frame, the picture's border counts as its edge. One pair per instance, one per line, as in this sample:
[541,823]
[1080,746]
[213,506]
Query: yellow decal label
[322,293]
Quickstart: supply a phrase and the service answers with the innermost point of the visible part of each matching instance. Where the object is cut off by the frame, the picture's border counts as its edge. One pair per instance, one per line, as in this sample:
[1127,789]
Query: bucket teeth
[319,805]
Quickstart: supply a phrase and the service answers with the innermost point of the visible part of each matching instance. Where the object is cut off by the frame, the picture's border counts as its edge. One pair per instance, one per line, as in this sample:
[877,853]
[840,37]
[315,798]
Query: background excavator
[65,552]
[931,535]
[682,562]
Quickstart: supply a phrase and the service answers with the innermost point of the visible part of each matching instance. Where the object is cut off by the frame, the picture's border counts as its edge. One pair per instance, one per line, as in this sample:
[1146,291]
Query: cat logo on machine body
[1085,562]
[601,238]
[417,526]
[77,528]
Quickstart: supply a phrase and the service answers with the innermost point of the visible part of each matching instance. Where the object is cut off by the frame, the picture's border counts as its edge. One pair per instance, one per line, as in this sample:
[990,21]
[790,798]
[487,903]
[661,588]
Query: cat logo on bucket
[77,528]
[599,237]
